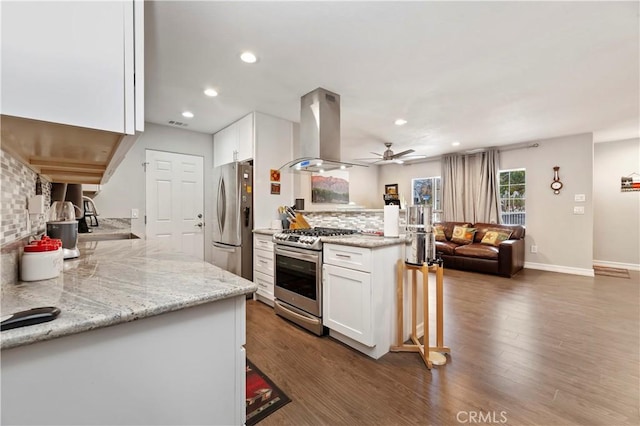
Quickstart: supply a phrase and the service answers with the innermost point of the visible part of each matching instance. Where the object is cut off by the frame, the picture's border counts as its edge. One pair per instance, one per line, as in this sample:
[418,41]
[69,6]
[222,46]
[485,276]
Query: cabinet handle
[345,256]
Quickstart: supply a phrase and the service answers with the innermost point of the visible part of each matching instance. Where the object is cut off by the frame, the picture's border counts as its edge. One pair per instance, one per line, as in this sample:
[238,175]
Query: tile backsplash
[353,219]
[17,185]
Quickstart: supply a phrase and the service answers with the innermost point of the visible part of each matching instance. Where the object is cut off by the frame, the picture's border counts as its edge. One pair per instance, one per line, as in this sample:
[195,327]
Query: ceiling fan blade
[400,154]
[375,153]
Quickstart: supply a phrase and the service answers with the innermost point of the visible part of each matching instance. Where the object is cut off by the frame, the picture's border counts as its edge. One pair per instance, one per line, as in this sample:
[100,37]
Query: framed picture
[274,175]
[275,188]
[330,187]
[391,189]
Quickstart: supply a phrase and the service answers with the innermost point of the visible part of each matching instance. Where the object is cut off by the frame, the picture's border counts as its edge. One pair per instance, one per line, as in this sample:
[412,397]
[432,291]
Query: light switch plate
[579,198]
[578,209]
[134,213]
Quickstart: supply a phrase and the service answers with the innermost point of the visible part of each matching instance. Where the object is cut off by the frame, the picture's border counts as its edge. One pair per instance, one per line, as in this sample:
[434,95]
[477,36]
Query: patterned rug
[611,272]
[263,396]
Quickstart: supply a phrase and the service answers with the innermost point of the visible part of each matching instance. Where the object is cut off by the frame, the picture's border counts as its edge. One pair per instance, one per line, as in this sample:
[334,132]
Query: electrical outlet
[579,198]
[578,209]
[134,213]
[534,249]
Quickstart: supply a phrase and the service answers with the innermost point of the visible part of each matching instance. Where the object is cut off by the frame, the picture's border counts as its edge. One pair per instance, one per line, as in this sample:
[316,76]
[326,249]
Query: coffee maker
[62,224]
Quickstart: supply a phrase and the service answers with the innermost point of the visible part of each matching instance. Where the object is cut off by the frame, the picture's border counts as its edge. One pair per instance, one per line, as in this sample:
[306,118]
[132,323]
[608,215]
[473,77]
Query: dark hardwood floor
[541,348]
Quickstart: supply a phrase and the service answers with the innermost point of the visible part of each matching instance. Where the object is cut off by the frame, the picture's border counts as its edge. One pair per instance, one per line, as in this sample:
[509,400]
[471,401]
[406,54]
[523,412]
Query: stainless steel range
[298,275]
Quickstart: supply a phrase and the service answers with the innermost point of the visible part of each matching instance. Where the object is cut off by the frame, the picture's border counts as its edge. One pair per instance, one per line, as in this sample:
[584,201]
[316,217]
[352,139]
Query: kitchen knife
[29,317]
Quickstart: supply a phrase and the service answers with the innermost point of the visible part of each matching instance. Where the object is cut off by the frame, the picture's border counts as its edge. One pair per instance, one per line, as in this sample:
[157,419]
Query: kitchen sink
[107,237]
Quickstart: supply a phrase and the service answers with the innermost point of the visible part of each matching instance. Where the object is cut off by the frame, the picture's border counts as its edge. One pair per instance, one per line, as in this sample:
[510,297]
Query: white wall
[616,213]
[273,148]
[564,240]
[126,188]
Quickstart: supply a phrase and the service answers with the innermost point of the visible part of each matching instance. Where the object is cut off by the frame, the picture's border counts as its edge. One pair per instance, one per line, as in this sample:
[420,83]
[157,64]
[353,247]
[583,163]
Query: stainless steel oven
[298,286]
[298,275]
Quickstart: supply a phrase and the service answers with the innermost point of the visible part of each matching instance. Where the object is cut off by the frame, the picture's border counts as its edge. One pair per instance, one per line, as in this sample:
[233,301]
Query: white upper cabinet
[224,145]
[74,63]
[245,138]
[234,143]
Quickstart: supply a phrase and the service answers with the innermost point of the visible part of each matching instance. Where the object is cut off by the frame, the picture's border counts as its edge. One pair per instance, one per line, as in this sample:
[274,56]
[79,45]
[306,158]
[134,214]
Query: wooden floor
[541,348]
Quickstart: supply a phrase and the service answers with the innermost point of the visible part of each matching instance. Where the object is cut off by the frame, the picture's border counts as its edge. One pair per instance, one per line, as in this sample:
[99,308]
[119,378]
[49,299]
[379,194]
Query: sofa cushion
[483,251]
[517,231]
[495,236]
[446,247]
[438,230]
[463,235]
[448,227]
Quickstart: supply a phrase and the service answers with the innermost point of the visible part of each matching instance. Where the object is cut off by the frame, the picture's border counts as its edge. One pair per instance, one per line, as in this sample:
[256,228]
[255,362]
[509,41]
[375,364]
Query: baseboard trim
[606,263]
[561,269]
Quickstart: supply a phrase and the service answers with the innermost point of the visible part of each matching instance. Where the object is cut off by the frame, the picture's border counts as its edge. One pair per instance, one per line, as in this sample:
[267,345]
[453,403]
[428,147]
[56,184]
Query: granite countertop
[366,241]
[356,240]
[266,231]
[113,282]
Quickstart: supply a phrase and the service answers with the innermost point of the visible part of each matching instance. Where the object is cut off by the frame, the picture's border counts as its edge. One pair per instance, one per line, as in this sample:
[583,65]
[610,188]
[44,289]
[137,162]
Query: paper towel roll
[392,221]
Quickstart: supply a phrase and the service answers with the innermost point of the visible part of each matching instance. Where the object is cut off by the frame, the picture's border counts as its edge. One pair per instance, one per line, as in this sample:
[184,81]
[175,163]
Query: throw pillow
[463,235]
[495,236]
[439,231]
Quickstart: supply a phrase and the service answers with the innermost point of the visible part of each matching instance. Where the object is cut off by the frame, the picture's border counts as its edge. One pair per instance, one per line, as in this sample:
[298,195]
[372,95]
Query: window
[428,191]
[512,196]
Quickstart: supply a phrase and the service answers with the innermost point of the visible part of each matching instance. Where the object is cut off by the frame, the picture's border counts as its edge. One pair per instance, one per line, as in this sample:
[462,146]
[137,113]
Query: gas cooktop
[309,238]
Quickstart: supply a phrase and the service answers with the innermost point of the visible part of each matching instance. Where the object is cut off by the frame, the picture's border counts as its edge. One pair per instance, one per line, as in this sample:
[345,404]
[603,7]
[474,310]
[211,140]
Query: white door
[175,200]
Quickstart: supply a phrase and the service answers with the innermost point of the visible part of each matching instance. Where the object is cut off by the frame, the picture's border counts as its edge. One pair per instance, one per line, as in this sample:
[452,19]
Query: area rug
[263,396]
[611,272]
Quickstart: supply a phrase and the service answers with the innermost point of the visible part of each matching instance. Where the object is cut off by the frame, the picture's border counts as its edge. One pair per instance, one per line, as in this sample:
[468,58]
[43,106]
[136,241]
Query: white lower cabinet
[347,303]
[358,295]
[263,270]
[181,367]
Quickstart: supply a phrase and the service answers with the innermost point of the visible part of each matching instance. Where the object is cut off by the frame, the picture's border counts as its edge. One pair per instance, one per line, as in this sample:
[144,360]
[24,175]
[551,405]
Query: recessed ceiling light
[248,57]
[456,143]
[211,92]
[343,167]
[187,114]
[400,122]
[321,170]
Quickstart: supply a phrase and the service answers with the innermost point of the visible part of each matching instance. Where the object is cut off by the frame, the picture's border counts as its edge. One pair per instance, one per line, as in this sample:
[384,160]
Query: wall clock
[556,185]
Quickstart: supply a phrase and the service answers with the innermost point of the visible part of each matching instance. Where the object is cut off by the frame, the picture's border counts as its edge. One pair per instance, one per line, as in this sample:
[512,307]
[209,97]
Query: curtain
[470,187]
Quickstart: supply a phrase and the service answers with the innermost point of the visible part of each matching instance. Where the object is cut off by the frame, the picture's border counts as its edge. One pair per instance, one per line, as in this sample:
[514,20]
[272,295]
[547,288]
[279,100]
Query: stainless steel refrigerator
[233,219]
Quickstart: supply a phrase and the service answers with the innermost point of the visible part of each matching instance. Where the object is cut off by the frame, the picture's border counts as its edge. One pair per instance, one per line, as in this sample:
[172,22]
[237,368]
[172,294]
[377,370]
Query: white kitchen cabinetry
[181,367]
[358,288]
[234,142]
[263,268]
[74,63]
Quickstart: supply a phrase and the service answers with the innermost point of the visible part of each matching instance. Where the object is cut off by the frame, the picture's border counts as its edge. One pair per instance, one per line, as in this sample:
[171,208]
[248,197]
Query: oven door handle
[297,255]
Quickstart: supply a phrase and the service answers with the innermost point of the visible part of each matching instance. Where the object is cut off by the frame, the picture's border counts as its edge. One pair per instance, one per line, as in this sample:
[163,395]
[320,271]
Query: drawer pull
[345,256]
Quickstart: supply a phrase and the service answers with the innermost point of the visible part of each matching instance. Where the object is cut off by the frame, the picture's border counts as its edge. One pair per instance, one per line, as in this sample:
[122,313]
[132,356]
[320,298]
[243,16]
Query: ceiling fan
[389,157]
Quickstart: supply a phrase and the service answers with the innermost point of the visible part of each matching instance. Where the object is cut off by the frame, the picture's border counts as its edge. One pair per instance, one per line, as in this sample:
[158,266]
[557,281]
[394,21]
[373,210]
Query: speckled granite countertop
[266,231]
[113,282]
[366,241]
[356,240]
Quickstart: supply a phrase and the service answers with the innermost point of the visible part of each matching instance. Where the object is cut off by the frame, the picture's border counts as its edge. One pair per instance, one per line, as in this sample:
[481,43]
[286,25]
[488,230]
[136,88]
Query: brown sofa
[505,260]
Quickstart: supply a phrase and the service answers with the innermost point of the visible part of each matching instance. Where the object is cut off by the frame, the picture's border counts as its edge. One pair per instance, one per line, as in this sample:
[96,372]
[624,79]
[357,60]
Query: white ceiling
[481,73]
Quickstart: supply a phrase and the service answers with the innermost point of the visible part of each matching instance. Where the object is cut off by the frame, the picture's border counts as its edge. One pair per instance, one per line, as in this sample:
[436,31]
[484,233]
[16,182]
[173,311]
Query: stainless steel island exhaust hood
[319,134]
